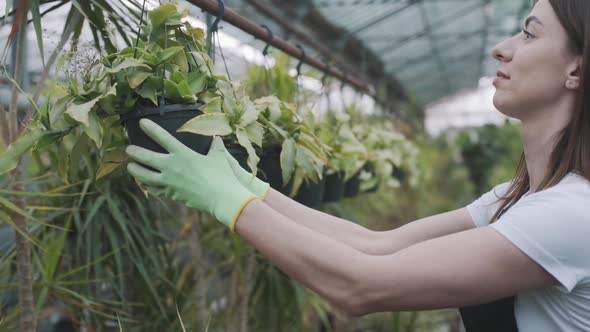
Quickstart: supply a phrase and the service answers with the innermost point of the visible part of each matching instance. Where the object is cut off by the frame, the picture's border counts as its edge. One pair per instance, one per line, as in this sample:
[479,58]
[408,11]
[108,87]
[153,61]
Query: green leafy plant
[303,155]
[349,154]
[169,65]
[231,113]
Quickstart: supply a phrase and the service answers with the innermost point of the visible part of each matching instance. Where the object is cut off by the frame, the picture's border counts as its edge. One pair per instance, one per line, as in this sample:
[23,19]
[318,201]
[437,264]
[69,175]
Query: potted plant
[294,157]
[291,142]
[348,157]
[327,131]
[386,154]
[167,77]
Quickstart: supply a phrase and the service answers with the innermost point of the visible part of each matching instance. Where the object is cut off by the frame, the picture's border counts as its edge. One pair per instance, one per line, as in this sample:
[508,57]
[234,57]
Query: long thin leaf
[7,204]
[7,220]
[38,28]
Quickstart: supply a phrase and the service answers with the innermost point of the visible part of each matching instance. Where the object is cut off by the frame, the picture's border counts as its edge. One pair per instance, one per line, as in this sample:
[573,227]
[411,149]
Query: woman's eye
[527,34]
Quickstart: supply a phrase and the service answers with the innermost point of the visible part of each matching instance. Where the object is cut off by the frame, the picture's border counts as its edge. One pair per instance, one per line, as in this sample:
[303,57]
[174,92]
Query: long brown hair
[572,151]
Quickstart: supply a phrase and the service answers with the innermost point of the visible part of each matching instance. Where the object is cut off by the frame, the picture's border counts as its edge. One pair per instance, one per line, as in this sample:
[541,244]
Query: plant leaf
[10,157]
[80,148]
[249,114]
[180,60]
[128,63]
[79,112]
[160,14]
[212,106]
[168,53]
[287,160]
[197,82]
[37,23]
[302,160]
[135,78]
[95,130]
[244,141]
[208,124]
[255,133]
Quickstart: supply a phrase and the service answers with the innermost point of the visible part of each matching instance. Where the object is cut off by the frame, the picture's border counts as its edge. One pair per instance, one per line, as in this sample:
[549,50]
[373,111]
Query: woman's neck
[540,133]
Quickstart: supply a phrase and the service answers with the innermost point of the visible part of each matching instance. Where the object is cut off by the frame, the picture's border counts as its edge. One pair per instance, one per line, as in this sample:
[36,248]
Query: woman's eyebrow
[533,19]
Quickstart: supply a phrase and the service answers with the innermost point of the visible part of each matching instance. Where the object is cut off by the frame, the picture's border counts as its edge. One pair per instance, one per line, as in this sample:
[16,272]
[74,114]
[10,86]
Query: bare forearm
[336,228]
[421,230]
[365,240]
[317,261]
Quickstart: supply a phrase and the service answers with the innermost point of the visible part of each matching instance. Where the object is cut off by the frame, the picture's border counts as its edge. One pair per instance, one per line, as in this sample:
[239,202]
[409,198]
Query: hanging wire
[263,70]
[139,29]
[162,98]
[213,28]
[222,57]
[325,89]
[297,87]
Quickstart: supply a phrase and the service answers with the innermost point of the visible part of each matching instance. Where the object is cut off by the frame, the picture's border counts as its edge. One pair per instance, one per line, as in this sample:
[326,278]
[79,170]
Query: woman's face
[534,65]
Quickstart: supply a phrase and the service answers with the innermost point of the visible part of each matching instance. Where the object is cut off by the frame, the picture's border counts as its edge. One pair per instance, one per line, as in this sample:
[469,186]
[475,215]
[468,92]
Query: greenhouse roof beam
[416,60]
[250,27]
[440,63]
[320,35]
[383,17]
[447,20]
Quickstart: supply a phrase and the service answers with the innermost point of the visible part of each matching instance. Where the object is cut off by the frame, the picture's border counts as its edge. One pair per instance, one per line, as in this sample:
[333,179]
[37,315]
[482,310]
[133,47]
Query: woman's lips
[501,77]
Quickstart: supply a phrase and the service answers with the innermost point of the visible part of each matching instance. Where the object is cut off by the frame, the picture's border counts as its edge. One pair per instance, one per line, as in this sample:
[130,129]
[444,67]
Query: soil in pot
[334,188]
[170,117]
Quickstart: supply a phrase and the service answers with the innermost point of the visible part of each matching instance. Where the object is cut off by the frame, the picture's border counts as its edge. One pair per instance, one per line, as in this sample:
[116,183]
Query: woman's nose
[502,52]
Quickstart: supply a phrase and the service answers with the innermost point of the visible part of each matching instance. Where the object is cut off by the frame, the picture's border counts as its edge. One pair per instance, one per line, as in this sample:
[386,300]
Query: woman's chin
[504,105]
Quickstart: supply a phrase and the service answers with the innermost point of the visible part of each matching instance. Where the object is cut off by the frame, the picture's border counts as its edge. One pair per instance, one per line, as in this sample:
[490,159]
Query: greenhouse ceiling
[423,48]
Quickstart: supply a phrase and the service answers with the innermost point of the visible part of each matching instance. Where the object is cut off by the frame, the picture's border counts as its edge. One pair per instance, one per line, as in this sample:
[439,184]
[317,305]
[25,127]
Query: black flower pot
[169,117]
[311,194]
[352,186]
[398,173]
[334,189]
[269,167]
[371,169]
[269,170]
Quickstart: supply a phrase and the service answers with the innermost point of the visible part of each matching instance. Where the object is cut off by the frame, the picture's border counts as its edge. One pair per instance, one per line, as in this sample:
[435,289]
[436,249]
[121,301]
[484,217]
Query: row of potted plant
[168,77]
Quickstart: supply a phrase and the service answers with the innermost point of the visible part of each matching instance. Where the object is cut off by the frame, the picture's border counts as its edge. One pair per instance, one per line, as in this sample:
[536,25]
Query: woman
[527,238]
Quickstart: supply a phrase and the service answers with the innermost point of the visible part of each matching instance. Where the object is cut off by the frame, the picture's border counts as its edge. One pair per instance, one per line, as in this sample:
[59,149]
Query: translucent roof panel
[433,47]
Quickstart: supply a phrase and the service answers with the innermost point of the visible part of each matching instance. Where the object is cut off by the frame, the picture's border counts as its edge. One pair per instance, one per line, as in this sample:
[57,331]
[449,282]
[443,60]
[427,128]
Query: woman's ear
[572,80]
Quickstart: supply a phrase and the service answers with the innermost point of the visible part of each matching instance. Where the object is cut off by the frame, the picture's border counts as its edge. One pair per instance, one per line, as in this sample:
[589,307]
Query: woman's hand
[205,182]
[247,179]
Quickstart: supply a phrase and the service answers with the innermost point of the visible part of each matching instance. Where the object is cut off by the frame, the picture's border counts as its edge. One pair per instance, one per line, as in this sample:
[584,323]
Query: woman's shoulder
[570,196]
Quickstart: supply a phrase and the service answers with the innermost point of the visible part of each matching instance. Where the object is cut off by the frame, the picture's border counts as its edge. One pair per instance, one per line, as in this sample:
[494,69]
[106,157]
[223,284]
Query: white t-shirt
[553,228]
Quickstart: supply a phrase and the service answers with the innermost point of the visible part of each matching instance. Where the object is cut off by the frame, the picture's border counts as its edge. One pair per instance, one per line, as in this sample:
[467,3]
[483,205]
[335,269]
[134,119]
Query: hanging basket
[399,173]
[334,189]
[352,186]
[170,117]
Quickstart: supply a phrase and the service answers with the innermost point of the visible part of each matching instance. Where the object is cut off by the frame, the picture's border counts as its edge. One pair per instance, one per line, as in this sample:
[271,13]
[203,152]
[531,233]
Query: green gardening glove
[204,182]
[247,179]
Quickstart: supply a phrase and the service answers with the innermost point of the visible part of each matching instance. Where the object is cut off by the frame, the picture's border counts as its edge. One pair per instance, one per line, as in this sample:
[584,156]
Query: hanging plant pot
[269,167]
[334,188]
[398,173]
[170,117]
[374,188]
[311,194]
[352,186]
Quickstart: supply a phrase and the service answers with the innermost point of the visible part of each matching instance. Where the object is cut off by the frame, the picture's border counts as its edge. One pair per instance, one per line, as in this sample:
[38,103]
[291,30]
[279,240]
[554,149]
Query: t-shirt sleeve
[483,208]
[552,230]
